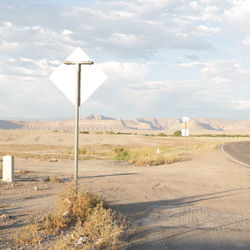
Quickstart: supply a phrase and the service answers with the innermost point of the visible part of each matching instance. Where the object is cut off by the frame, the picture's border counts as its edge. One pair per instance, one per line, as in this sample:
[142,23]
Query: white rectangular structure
[8,168]
[185,132]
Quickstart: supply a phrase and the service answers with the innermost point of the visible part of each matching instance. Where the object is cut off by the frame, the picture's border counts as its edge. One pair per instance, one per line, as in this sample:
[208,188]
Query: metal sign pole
[78,101]
[185,138]
[77,105]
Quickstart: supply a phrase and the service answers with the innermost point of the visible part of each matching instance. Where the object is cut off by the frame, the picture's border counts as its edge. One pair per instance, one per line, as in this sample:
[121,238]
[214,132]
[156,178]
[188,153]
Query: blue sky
[163,58]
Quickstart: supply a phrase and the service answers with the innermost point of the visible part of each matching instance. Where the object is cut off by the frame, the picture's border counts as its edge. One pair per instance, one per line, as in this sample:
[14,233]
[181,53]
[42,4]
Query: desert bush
[107,132]
[78,214]
[99,132]
[161,134]
[146,156]
[84,132]
[29,235]
[23,171]
[122,154]
[56,179]
[81,151]
[146,160]
[124,133]
[177,133]
[221,135]
[118,149]
[102,230]
[103,227]
[77,204]
[72,206]
[52,223]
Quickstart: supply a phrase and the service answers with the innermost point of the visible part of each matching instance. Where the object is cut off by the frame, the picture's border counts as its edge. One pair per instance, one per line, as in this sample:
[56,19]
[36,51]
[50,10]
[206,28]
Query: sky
[163,58]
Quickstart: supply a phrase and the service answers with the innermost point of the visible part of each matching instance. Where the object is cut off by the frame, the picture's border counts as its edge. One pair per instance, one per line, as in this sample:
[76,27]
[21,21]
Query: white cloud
[124,38]
[5,45]
[124,14]
[219,71]
[205,29]
[120,28]
[117,71]
[66,32]
[27,67]
[27,95]
[194,5]
[241,104]
[25,60]
[246,41]
[150,86]
[237,16]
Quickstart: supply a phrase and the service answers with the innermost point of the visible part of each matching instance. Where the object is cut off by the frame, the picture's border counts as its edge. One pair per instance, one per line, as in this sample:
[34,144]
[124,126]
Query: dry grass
[101,230]
[147,156]
[23,172]
[56,179]
[138,153]
[78,214]
[71,150]
[167,155]
[72,206]
[29,235]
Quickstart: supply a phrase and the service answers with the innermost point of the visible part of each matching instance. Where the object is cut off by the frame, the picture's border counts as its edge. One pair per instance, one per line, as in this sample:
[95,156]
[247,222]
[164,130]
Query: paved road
[240,151]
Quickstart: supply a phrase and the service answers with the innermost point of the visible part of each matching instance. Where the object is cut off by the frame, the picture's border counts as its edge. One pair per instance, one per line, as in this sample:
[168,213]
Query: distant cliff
[95,122]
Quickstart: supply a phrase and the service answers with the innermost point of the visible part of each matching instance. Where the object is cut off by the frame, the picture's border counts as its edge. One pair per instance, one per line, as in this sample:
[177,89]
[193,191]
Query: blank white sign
[64,77]
[185,132]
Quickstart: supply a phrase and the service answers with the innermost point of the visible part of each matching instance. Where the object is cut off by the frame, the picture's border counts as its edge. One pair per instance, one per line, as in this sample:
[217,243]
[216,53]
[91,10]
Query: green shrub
[122,155]
[177,133]
[84,132]
[161,134]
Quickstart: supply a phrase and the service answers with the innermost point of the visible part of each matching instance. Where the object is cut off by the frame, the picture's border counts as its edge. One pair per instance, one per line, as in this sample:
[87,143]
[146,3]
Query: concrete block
[8,168]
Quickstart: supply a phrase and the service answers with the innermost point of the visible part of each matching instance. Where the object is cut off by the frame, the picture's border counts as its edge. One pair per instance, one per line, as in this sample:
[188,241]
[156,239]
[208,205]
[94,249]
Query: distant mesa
[97,117]
[10,125]
[96,122]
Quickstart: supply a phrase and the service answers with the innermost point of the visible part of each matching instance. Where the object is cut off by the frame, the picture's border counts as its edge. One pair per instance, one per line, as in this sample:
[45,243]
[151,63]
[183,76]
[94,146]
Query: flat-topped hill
[95,122]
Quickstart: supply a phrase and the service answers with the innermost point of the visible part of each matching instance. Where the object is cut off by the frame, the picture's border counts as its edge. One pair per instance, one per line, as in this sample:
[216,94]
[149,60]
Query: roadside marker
[185,131]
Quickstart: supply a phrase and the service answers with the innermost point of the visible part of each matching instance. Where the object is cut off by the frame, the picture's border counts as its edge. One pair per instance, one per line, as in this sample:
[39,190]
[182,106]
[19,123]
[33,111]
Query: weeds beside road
[141,151]
[81,220]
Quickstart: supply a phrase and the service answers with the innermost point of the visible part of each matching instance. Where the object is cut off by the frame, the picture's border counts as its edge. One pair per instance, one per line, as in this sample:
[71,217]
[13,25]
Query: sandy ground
[202,203]
[198,204]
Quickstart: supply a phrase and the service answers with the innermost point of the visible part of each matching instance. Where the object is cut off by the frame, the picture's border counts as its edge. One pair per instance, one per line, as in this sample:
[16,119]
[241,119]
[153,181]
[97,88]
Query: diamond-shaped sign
[64,77]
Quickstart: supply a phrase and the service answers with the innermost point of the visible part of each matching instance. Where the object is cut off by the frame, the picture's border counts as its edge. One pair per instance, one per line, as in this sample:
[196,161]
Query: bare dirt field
[201,202]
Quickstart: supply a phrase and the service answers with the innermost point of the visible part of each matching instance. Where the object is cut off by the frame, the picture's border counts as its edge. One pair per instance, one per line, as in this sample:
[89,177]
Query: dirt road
[202,203]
